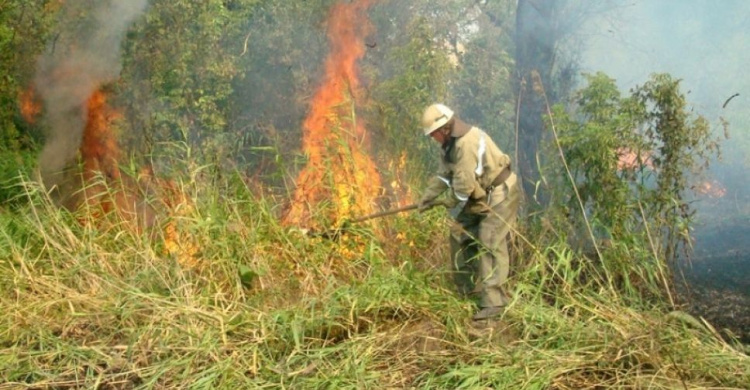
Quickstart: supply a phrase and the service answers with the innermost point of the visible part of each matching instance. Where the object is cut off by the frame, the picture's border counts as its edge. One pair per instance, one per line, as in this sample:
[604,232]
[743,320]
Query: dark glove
[456,208]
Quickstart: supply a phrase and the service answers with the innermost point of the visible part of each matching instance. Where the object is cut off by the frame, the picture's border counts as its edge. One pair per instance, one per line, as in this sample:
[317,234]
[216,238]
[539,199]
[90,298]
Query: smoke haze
[701,42]
[85,55]
[698,40]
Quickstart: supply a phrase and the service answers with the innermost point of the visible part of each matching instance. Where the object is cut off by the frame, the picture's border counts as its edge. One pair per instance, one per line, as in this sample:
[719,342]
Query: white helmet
[435,117]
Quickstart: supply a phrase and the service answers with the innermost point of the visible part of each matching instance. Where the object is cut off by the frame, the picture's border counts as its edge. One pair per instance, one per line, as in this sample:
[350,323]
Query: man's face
[441,135]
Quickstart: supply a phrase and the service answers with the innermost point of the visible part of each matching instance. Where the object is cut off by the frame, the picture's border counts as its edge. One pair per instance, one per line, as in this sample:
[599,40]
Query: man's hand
[425,205]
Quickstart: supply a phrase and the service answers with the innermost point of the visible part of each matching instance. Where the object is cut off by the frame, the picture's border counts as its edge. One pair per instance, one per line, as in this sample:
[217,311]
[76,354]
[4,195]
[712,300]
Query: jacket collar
[460,128]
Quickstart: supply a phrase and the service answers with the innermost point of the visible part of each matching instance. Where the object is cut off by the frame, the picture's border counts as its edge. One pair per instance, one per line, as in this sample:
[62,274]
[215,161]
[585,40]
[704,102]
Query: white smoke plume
[84,56]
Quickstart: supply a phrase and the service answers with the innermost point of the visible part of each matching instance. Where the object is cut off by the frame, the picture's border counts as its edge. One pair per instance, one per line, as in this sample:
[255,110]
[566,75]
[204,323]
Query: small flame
[178,243]
[402,192]
[628,159]
[712,189]
[30,105]
[338,170]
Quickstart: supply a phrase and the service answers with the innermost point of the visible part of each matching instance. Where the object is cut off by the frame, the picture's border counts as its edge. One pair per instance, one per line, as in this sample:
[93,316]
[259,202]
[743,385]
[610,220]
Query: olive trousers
[479,244]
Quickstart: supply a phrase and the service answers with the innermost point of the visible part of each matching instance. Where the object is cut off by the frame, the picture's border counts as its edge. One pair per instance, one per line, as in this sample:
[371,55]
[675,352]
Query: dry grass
[264,306]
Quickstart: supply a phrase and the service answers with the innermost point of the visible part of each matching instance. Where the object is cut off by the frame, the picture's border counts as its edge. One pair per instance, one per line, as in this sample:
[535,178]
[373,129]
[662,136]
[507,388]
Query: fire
[30,106]
[338,170]
[628,159]
[99,150]
[712,189]
[106,189]
[177,242]
[72,81]
[99,154]
[401,192]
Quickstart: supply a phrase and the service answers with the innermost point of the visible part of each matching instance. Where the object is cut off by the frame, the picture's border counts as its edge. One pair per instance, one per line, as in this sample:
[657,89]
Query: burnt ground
[715,283]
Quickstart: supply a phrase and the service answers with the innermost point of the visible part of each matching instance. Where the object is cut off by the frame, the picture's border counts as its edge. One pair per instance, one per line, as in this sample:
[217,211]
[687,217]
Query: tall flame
[119,193]
[338,170]
[99,154]
[99,150]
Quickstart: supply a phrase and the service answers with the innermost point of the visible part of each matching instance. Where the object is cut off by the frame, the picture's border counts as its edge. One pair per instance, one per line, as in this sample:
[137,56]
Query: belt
[501,177]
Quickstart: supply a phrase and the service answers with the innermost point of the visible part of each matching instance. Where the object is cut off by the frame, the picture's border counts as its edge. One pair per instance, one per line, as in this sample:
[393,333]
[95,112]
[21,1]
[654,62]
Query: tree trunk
[535,54]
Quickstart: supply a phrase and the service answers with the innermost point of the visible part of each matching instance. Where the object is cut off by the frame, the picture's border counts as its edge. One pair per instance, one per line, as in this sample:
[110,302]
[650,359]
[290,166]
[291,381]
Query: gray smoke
[84,56]
[702,42]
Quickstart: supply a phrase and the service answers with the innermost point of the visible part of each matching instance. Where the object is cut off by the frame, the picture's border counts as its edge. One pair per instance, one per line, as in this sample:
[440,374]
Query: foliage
[280,62]
[483,89]
[547,43]
[15,168]
[180,62]
[89,302]
[212,291]
[453,52]
[24,28]
[683,145]
[419,80]
[632,160]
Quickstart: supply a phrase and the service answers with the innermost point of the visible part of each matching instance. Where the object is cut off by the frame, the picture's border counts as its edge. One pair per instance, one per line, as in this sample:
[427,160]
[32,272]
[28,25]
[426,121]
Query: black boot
[488,312]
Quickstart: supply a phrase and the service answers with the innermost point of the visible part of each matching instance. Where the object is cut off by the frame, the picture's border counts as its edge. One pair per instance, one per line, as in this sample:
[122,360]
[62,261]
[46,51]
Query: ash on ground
[715,283]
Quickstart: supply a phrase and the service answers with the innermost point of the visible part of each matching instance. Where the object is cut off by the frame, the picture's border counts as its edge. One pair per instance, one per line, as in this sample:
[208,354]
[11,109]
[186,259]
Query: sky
[703,42]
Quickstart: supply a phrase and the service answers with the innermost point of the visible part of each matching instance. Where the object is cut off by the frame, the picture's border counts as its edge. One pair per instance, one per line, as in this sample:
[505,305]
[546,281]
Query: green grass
[99,304]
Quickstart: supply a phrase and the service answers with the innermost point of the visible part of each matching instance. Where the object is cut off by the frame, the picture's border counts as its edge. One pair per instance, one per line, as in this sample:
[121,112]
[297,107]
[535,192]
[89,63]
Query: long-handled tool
[385,213]
[336,232]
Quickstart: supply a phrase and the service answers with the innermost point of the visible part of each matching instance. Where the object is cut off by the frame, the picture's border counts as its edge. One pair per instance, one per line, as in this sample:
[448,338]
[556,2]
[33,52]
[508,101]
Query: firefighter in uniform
[483,200]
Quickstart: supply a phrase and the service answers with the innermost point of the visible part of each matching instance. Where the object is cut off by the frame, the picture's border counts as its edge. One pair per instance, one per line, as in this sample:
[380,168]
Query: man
[483,198]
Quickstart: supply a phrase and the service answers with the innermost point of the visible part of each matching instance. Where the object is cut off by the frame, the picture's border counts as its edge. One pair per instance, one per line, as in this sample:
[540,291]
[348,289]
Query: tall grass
[98,304]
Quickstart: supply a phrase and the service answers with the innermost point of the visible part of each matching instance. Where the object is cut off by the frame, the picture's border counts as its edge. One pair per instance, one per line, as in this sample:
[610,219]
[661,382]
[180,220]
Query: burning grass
[268,307]
[339,170]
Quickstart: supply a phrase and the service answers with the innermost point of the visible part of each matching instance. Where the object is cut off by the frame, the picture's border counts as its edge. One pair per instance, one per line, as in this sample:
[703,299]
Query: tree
[179,64]
[536,41]
[24,28]
[546,49]
[634,160]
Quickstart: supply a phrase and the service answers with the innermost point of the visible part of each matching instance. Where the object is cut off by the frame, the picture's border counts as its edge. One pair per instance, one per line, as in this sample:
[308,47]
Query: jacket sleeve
[437,185]
[434,188]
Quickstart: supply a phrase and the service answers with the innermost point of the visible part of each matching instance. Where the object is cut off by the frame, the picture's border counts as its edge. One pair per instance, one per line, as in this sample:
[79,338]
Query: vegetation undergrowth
[233,299]
[199,284]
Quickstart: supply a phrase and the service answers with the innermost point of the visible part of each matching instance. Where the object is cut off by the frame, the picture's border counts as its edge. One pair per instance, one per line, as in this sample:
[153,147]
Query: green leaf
[247,276]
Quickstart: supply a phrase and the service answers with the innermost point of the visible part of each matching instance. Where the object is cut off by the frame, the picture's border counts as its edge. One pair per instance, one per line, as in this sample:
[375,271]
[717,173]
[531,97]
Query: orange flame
[99,150]
[31,107]
[402,193]
[338,170]
[115,192]
[712,189]
[99,153]
[628,159]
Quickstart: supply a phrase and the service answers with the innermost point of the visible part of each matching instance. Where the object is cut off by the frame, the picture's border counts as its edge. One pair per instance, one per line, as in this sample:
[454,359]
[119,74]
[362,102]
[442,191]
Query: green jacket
[473,164]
